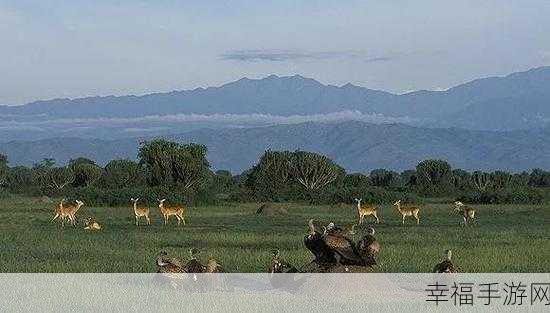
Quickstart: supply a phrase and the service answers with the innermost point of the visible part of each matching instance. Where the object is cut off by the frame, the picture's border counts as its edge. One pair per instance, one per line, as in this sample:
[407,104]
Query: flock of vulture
[333,251]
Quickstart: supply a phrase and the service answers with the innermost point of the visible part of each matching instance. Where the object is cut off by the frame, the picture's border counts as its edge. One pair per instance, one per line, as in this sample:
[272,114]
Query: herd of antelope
[467,212]
[68,211]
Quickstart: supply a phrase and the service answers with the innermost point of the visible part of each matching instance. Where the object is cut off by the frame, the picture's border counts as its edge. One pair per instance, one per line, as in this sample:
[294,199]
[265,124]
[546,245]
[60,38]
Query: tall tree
[384,178]
[170,163]
[314,171]
[433,176]
[481,181]
[123,173]
[3,170]
[85,172]
[270,178]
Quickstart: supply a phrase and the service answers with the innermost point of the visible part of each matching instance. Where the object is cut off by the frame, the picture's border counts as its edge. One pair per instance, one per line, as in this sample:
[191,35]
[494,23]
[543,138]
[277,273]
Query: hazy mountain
[517,101]
[357,146]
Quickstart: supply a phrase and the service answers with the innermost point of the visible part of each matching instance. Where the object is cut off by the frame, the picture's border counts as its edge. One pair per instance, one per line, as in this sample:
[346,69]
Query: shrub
[505,196]
[372,194]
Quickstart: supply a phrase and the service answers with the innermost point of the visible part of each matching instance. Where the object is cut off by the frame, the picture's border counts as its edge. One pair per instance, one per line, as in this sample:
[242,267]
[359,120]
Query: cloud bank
[286,55]
[241,119]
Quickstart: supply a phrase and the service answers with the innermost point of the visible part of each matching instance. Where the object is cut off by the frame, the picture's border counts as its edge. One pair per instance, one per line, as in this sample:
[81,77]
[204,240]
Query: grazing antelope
[468,213]
[366,211]
[92,224]
[140,212]
[67,211]
[169,211]
[407,211]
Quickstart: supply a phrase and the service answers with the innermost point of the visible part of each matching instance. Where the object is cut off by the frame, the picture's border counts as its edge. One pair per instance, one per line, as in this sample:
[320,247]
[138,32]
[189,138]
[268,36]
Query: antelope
[169,211]
[366,211]
[468,213]
[59,212]
[92,224]
[140,211]
[68,211]
[407,211]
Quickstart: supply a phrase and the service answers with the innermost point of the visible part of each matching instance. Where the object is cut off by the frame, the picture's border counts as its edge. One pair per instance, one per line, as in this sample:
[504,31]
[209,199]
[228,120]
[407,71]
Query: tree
[539,178]
[19,179]
[122,173]
[50,177]
[501,179]
[408,177]
[481,180]
[85,172]
[271,177]
[156,156]
[169,163]
[433,176]
[460,179]
[384,178]
[189,165]
[3,169]
[314,171]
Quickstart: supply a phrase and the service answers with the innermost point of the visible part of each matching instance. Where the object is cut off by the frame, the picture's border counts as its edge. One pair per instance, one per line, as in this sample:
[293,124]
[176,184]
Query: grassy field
[506,238]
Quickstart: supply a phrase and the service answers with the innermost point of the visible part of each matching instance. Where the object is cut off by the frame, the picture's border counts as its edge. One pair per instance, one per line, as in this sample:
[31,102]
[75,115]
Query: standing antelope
[468,213]
[140,211]
[366,211]
[67,211]
[177,211]
[407,211]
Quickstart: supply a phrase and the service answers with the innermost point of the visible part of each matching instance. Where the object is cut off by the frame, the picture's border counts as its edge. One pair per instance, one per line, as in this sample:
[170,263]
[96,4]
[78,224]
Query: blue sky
[53,49]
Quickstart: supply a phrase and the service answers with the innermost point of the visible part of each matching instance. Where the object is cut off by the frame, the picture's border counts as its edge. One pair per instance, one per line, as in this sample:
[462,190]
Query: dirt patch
[271,209]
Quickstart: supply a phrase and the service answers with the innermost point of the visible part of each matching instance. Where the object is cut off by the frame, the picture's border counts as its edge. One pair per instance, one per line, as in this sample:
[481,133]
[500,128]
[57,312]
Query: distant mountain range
[489,123]
[359,147]
[517,101]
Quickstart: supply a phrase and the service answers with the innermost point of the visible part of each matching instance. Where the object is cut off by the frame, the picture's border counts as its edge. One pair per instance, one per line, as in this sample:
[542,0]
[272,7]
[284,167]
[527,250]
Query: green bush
[370,194]
[121,197]
[505,196]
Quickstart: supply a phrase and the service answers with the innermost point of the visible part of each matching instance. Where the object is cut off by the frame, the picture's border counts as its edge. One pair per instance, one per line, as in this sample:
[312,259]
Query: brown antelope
[407,211]
[67,211]
[468,213]
[59,212]
[140,212]
[366,211]
[92,224]
[166,212]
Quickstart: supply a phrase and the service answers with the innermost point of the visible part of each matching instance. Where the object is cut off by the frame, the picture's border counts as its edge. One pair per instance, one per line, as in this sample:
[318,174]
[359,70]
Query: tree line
[181,173]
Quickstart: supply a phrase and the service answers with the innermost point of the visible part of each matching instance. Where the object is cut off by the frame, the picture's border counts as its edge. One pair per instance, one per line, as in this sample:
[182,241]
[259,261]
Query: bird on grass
[315,243]
[446,266]
[194,265]
[166,264]
[213,266]
[278,265]
[342,248]
[369,247]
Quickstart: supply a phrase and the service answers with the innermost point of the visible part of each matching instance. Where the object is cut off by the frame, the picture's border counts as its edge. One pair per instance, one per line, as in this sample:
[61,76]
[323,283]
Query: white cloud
[255,119]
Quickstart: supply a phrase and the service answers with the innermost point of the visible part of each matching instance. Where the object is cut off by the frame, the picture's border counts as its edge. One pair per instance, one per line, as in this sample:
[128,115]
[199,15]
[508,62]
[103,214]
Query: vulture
[193,265]
[369,247]
[446,266]
[342,248]
[213,266]
[278,265]
[315,243]
[167,264]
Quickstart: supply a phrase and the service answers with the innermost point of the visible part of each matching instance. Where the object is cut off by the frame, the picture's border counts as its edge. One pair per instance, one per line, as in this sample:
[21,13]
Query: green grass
[506,238]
